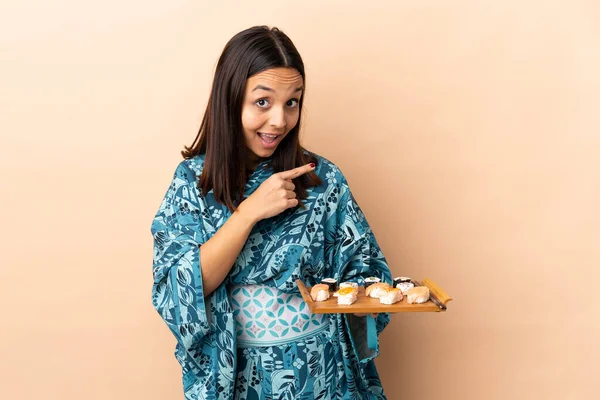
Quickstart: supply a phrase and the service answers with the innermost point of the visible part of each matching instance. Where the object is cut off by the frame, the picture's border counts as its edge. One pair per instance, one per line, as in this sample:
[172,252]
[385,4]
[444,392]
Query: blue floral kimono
[328,238]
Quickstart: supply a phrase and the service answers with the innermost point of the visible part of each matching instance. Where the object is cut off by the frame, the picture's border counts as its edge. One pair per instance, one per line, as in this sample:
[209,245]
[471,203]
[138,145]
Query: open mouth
[269,140]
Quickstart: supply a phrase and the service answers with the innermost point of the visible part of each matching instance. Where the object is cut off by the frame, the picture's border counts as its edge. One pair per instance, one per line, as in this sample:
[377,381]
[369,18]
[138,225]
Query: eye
[292,103]
[262,103]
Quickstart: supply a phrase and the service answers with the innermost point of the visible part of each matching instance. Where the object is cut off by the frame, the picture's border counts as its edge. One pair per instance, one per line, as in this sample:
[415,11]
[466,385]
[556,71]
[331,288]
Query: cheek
[292,120]
[251,121]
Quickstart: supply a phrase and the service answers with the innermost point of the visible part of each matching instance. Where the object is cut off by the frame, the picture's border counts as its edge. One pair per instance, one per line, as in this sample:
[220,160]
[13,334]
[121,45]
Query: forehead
[280,79]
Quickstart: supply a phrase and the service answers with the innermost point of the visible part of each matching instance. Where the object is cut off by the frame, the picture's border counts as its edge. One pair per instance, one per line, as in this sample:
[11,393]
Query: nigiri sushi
[419,294]
[391,296]
[319,292]
[377,290]
[346,296]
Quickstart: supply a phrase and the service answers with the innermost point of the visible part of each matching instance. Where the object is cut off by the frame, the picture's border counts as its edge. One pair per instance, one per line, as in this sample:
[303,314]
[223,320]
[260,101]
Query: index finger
[296,172]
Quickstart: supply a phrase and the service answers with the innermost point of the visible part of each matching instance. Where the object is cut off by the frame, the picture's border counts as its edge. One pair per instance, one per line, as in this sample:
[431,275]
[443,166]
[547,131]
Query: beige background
[469,131]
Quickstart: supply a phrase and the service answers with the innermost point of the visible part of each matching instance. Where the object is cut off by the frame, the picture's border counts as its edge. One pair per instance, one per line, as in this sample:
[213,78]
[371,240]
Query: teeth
[269,136]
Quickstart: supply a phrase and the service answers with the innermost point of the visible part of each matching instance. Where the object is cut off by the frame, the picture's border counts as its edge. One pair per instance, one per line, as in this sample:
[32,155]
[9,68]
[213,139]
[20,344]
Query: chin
[262,153]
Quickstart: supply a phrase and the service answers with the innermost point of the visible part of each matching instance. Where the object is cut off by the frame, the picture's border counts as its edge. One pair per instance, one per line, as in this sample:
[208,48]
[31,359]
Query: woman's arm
[218,254]
[273,196]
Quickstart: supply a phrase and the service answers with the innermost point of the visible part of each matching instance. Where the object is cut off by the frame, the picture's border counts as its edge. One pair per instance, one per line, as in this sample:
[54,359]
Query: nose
[277,118]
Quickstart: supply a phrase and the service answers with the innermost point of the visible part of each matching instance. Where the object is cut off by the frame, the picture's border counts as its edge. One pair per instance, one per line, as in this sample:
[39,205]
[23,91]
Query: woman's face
[270,109]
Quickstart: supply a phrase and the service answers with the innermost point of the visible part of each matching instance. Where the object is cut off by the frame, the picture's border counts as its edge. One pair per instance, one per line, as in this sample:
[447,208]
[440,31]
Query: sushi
[401,279]
[417,295]
[332,283]
[346,296]
[405,287]
[403,283]
[319,292]
[371,280]
[377,290]
[392,296]
[349,284]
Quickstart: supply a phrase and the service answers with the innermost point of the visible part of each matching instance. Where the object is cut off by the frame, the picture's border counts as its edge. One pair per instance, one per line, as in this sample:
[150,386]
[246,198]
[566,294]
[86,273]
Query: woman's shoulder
[191,166]
[327,170]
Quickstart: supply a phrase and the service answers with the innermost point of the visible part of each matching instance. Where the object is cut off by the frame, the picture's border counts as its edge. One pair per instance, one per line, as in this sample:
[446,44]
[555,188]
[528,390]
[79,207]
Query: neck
[252,161]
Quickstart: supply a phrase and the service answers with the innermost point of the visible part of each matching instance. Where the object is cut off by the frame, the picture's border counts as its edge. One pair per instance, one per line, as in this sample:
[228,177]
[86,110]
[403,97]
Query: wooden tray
[367,305]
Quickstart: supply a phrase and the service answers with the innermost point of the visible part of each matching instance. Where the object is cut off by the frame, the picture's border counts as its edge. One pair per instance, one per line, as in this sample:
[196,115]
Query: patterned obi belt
[266,316]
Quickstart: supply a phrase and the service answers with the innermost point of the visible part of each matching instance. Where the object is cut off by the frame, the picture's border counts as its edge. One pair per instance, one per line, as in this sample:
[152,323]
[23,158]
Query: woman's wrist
[248,220]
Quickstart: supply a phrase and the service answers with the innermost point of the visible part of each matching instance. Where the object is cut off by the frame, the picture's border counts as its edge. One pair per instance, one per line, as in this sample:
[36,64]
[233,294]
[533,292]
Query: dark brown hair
[220,136]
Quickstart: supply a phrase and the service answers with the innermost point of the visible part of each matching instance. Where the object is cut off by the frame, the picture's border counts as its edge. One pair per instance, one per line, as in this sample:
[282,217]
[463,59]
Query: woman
[249,211]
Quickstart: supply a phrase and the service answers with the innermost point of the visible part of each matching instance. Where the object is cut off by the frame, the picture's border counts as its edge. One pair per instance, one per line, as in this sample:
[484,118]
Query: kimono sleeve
[358,256]
[178,229]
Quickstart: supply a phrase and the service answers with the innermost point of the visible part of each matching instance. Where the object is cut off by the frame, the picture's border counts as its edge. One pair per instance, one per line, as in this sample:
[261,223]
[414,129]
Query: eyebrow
[268,89]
